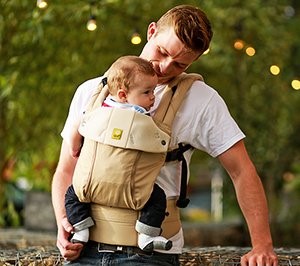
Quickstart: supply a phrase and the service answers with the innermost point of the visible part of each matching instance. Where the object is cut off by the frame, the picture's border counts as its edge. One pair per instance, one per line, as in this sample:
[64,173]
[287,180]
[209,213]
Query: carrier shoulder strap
[100,94]
[172,98]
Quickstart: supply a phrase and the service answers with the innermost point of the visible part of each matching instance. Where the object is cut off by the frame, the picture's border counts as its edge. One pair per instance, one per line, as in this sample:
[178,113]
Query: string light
[275,70]
[136,38]
[295,84]
[250,51]
[239,44]
[91,25]
[41,4]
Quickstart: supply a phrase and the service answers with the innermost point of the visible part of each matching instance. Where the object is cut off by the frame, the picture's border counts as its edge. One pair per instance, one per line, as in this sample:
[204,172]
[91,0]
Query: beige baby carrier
[122,154]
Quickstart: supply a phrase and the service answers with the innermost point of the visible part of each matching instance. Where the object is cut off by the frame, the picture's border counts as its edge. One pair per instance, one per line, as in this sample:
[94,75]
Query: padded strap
[173,96]
[100,95]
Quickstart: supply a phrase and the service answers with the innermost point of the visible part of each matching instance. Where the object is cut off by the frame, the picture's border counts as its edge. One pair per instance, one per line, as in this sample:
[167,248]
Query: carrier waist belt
[116,226]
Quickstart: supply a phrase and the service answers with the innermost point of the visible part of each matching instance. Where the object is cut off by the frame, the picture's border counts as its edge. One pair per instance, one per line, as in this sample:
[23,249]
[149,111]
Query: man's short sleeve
[205,122]
[78,105]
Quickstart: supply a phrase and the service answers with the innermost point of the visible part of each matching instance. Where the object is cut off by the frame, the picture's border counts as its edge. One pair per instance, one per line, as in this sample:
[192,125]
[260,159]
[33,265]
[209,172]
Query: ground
[29,248]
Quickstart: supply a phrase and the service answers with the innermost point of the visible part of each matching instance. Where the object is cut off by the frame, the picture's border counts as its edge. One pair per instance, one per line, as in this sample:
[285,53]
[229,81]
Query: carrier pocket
[115,177]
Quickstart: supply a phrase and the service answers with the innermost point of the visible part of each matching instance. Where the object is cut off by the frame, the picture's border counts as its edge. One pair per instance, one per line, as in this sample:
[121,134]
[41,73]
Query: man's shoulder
[201,91]
[203,99]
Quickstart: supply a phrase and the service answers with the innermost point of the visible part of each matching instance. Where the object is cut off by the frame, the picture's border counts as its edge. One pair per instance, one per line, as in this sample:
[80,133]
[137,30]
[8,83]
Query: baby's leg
[149,224]
[78,214]
[150,239]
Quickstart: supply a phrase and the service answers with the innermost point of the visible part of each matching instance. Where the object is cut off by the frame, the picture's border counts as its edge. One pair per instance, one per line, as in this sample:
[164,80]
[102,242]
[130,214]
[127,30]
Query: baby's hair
[122,71]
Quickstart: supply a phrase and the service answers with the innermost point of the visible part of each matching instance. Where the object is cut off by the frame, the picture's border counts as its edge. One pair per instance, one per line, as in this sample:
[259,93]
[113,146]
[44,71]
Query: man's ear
[122,95]
[152,28]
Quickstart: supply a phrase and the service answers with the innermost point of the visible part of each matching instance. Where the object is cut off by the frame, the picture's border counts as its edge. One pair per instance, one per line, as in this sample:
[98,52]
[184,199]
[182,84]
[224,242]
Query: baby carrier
[122,154]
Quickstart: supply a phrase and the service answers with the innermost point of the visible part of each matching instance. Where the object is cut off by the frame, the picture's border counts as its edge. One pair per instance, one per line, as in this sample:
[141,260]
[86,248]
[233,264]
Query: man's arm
[253,203]
[62,179]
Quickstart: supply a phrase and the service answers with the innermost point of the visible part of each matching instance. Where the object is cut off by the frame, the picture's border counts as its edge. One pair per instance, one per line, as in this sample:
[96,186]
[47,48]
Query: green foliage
[45,54]
[264,105]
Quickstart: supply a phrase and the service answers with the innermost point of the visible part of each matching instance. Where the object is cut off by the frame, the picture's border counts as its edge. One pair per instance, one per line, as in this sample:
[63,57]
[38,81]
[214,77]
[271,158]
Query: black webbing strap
[175,155]
[104,81]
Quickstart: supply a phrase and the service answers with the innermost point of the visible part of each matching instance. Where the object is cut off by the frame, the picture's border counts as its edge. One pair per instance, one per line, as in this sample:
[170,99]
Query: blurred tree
[46,53]
[264,105]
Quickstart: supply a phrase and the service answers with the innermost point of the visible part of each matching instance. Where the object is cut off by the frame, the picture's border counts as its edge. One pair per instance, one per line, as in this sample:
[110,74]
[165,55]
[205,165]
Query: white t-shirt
[203,120]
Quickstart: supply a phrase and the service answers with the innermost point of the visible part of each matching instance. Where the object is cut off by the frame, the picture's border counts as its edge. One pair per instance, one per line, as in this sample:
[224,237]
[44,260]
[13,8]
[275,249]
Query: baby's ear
[122,95]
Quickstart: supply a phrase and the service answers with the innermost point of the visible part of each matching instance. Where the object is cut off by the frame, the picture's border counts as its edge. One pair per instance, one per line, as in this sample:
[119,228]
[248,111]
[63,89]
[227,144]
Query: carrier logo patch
[117,133]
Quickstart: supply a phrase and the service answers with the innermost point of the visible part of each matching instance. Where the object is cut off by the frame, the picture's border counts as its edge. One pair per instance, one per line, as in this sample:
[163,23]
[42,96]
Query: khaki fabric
[125,129]
[171,100]
[116,176]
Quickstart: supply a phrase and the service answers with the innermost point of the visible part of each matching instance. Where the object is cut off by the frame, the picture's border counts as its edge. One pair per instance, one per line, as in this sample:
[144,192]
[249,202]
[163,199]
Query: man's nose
[165,66]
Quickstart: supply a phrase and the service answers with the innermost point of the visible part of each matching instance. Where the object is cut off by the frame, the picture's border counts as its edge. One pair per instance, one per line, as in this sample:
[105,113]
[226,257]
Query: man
[174,43]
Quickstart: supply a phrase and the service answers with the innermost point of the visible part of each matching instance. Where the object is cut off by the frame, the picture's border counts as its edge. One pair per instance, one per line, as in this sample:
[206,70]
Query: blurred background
[48,48]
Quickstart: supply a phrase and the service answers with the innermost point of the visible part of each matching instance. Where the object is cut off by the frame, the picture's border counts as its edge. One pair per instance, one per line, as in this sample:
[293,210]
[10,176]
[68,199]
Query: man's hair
[191,26]
[122,72]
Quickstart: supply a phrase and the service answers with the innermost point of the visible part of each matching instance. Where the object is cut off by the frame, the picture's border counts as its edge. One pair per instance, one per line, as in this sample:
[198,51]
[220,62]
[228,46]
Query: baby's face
[142,93]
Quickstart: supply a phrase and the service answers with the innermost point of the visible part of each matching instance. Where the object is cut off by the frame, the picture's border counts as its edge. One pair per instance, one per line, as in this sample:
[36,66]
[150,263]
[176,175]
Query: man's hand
[260,257]
[70,251]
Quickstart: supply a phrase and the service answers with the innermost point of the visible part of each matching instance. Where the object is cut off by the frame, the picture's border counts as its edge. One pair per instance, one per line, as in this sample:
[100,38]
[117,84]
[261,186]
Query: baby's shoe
[81,230]
[149,243]
[80,236]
